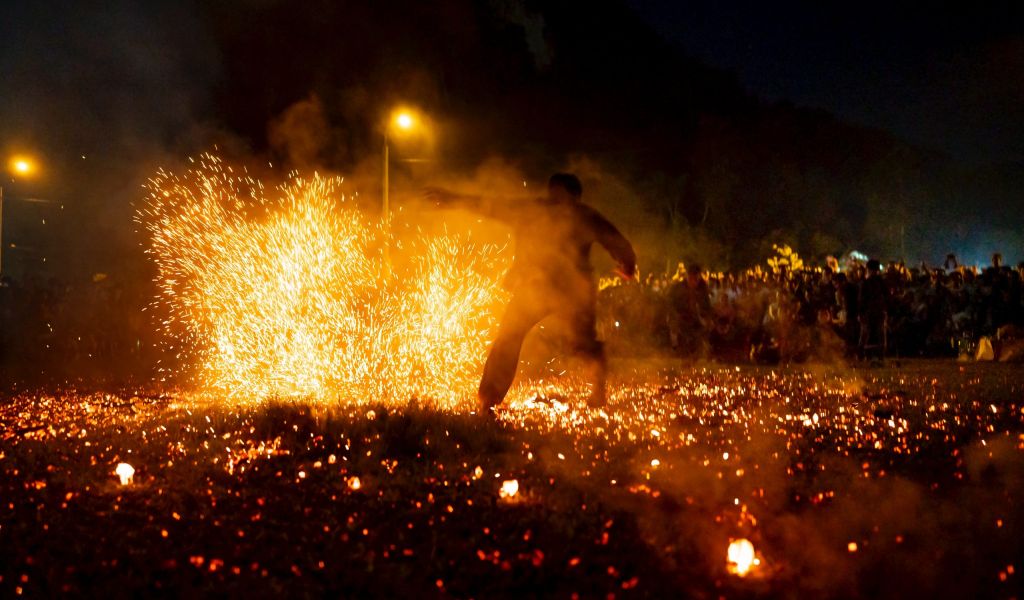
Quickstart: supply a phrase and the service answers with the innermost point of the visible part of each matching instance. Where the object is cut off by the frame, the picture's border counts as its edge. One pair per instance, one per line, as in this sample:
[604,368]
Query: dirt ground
[903,481]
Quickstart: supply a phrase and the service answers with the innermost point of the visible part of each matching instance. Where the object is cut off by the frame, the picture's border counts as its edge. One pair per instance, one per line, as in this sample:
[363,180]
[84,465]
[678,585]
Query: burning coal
[125,473]
[296,294]
[740,558]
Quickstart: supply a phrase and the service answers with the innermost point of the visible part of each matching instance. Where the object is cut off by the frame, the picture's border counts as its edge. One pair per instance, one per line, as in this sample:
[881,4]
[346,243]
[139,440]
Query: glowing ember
[214,469]
[354,484]
[741,558]
[125,472]
[299,296]
[509,488]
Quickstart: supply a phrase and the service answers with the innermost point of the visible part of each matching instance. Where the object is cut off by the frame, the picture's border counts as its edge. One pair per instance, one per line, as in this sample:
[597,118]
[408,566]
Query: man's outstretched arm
[488,207]
[614,242]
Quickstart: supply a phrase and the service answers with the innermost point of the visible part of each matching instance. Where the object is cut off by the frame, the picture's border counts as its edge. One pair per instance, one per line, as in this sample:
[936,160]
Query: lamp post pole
[19,165]
[405,121]
[1,230]
[386,205]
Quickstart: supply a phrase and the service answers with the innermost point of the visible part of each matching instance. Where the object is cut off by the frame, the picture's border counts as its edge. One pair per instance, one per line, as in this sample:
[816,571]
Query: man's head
[694,274]
[565,187]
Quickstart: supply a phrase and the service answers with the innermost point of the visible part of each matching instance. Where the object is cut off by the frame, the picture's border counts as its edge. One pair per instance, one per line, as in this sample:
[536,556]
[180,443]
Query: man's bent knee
[591,350]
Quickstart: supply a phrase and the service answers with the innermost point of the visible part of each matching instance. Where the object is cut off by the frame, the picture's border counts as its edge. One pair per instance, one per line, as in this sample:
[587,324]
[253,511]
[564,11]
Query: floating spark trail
[294,294]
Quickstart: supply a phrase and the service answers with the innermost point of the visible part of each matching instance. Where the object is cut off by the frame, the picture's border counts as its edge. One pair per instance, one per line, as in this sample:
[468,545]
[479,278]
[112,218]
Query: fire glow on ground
[720,481]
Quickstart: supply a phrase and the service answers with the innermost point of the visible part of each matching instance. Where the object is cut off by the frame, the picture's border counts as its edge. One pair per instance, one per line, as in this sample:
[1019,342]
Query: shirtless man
[551,274]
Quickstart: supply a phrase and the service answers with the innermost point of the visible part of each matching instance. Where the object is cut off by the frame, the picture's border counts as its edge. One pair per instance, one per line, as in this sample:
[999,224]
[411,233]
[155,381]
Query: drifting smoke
[295,294]
[300,133]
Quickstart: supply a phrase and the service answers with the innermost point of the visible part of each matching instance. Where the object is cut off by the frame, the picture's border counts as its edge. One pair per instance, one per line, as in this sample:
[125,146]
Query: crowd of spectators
[785,313]
[862,311]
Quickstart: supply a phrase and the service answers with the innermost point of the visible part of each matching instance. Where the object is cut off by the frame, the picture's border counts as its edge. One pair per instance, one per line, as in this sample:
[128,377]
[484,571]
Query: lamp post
[404,121]
[19,165]
[1,231]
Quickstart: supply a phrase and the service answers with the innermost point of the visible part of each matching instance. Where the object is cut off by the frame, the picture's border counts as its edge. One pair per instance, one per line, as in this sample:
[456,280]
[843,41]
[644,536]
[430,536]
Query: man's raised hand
[627,272]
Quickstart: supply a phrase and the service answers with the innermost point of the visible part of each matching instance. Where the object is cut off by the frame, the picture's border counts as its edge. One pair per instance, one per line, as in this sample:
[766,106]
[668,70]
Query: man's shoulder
[588,214]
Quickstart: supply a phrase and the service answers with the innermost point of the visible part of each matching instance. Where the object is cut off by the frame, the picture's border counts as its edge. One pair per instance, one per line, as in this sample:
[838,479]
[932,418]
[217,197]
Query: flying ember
[295,294]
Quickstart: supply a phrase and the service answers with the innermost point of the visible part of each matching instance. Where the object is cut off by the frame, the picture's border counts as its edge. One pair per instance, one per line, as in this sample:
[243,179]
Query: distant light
[404,120]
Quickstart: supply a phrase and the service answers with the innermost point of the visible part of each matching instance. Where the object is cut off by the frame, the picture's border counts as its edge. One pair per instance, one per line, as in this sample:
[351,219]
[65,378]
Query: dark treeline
[540,84]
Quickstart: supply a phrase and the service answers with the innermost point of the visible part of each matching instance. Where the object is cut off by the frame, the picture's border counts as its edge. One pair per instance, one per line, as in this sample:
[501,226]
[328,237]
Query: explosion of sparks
[298,295]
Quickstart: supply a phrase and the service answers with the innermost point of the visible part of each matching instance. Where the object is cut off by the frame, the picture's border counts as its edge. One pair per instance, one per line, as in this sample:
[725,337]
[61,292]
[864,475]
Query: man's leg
[862,340]
[503,361]
[590,349]
[878,337]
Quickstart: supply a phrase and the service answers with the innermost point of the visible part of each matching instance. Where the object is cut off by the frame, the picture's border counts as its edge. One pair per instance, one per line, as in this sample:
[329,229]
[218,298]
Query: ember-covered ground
[904,481]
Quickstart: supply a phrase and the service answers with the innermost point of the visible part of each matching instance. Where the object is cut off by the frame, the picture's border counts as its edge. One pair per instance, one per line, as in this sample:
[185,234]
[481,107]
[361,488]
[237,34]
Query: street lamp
[401,120]
[21,166]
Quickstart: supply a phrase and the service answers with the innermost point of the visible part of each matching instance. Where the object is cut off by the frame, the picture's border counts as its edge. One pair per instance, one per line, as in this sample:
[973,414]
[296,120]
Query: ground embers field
[896,482]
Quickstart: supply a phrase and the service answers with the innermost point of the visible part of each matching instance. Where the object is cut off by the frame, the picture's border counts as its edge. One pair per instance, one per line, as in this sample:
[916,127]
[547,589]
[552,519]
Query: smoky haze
[676,152]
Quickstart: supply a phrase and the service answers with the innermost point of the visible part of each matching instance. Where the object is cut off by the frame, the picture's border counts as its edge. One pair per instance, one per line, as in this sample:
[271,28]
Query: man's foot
[487,405]
[487,415]
[549,399]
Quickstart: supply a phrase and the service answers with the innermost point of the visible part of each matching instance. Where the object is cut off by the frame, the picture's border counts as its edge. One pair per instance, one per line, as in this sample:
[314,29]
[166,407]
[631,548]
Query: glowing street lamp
[22,166]
[404,121]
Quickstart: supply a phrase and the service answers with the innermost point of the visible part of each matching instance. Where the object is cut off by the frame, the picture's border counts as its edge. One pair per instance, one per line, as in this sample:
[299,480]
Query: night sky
[947,75]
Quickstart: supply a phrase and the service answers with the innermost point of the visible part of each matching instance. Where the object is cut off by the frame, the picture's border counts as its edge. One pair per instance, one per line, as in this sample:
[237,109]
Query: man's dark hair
[568,182]
[874,266]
